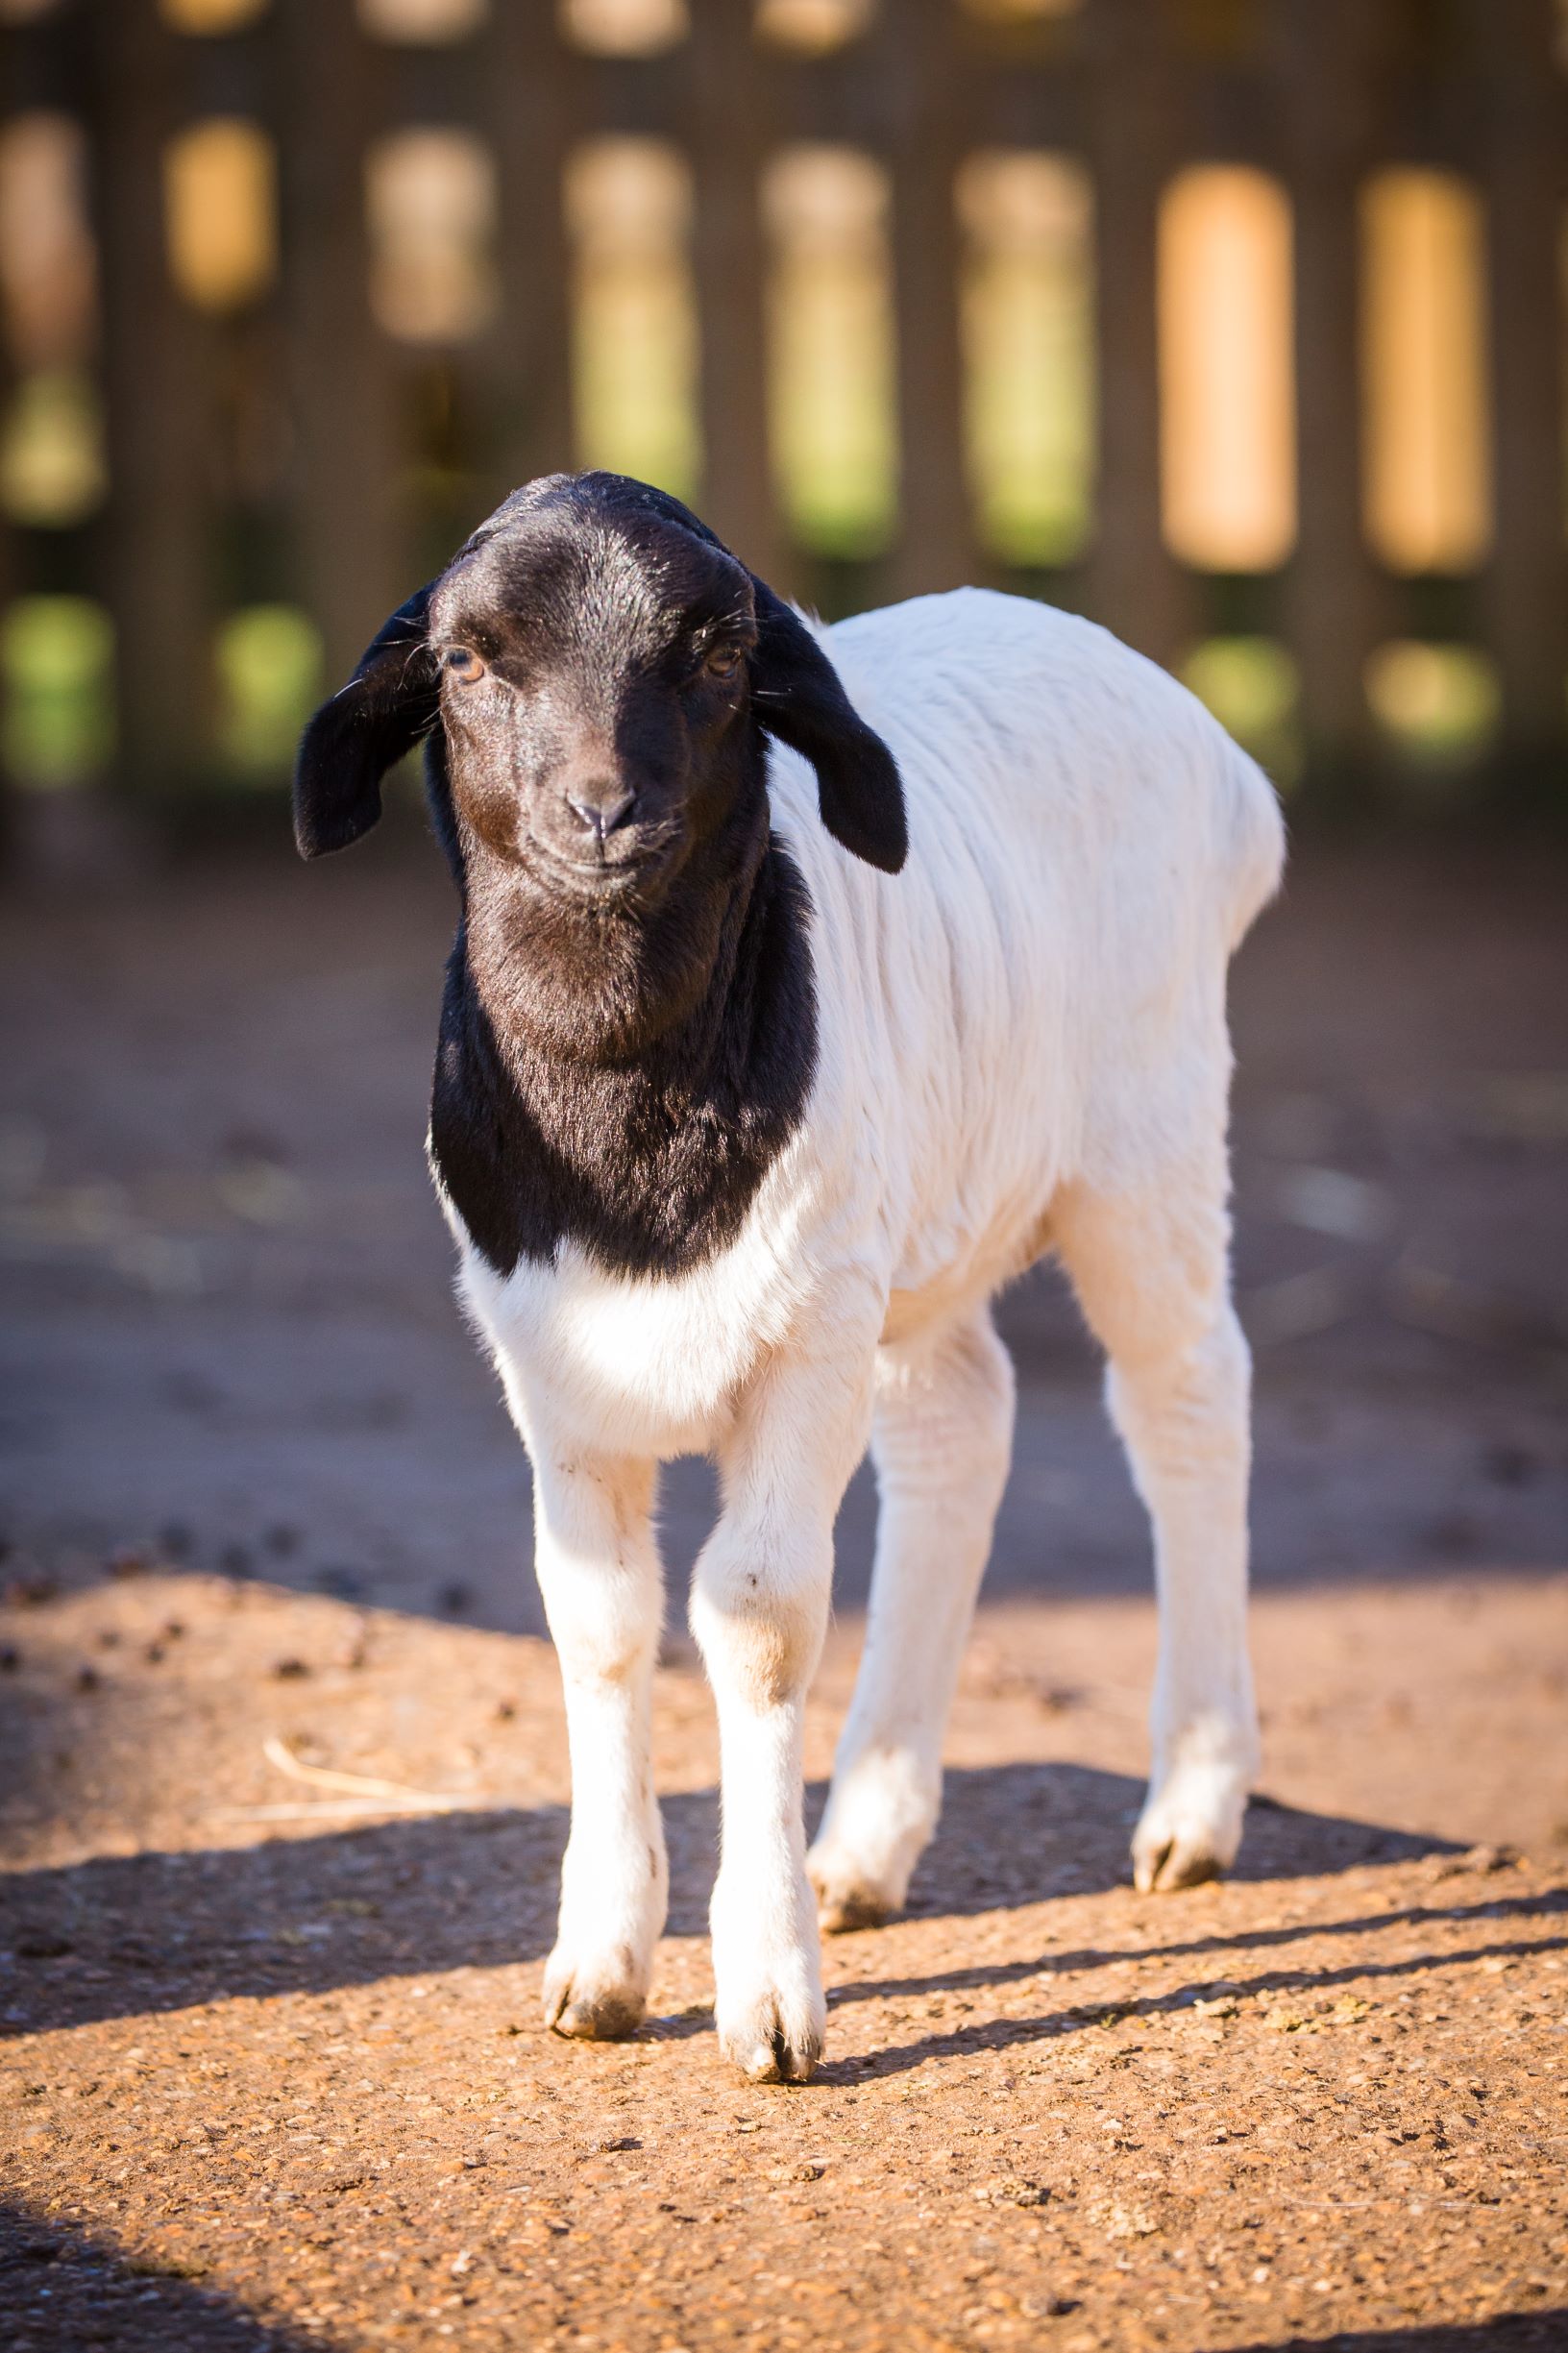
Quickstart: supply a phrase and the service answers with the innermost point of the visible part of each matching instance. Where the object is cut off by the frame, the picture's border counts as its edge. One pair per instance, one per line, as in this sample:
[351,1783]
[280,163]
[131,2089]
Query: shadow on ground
[1061,2020]
[120,1936]
[1514,2331]
[65,2291]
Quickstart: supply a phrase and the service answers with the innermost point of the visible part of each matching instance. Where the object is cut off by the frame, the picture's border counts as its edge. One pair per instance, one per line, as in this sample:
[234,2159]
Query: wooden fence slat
[936,547]
[349,533]
[1134,584]
[1334,600]
[12,571]
[531,103]
[1525,590]
[157,576]
[728,139]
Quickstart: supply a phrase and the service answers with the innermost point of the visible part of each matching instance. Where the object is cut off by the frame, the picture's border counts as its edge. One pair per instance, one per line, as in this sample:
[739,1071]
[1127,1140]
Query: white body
[1022,1047]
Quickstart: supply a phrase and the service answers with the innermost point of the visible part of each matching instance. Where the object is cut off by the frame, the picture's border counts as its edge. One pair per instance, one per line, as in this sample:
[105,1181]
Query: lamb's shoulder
[1036,732]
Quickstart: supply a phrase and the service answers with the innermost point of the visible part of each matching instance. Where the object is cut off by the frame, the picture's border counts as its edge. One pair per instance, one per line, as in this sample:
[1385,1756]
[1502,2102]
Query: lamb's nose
[599,813]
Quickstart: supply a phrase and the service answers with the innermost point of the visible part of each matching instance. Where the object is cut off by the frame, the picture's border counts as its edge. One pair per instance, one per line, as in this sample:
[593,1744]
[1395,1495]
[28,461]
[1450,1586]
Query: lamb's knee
[758,1620]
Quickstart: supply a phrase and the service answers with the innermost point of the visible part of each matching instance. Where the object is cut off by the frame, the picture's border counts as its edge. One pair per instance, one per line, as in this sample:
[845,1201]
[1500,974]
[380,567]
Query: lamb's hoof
[1177,1863]
[849,1897]
[769,2047]
[854,1907]
[591,2006]
[1189,1832]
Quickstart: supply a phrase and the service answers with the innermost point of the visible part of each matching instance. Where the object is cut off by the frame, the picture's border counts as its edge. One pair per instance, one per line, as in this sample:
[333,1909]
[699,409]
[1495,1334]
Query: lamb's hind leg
[1152,1276]
[942,1435]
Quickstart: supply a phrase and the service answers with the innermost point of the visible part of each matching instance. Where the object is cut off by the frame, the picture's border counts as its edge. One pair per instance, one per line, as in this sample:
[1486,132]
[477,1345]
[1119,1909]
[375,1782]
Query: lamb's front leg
[759,1609]
[598,1572]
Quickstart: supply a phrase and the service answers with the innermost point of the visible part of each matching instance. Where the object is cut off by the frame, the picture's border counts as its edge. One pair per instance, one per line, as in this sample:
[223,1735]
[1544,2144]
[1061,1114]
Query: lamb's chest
[636,1364]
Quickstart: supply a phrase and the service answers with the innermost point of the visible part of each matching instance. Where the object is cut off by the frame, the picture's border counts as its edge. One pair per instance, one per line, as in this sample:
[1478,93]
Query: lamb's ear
[391,701]
[797,696]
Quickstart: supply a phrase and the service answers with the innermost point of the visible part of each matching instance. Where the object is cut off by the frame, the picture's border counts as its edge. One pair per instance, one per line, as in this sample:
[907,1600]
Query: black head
[602,668]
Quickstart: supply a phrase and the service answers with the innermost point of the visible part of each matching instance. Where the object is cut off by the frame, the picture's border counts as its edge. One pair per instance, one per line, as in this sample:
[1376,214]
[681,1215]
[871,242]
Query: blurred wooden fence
[290,446]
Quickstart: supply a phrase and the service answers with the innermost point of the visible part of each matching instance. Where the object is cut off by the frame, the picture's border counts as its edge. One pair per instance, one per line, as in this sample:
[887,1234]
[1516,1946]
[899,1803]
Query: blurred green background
[1239,324]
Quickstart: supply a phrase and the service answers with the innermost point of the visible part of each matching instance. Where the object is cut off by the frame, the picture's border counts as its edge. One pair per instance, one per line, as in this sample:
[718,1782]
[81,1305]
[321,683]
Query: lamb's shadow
[1016,1834]
[63,2289]
[125,1936]
[1064,2016]
[1510,2332]
[1013,1834]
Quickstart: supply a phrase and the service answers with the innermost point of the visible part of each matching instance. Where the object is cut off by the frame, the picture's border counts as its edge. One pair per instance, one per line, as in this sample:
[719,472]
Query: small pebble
[290,1670]
[25,1592]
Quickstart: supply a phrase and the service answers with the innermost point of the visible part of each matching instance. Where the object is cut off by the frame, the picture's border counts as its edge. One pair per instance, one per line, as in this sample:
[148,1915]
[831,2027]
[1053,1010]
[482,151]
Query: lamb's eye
[463,664]
[721,661]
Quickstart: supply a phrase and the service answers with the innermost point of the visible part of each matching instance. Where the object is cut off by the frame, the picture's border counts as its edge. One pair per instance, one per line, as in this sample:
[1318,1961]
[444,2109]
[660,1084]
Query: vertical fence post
[12,573]
[348,532]
[1334,593]
[531,105]
[937,546]
[1134,585]
[156,540]
[1525,589]
[728,141]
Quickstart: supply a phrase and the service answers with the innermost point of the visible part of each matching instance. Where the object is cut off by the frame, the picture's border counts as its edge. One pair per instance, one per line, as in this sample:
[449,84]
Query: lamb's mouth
[596,880]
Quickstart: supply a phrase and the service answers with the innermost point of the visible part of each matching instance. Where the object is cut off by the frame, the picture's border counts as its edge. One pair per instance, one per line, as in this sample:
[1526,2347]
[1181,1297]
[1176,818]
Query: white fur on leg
[1185,1424]
[766,1964]
[1152,1277]
[600,1575]
[759,1621]
[759,1612]
[943,1435]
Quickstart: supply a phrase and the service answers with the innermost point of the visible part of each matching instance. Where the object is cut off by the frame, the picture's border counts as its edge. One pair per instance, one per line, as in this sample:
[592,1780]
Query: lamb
[809,984]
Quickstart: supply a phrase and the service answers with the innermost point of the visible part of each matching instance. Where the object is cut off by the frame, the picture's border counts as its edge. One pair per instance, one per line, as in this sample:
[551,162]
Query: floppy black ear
[391,701]
[797,696]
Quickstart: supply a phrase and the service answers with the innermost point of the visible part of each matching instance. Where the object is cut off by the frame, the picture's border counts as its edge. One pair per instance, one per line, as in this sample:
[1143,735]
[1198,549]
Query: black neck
[625,1081]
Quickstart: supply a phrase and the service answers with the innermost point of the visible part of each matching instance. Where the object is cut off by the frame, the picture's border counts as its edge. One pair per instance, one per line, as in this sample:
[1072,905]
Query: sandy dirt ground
[271,2072]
